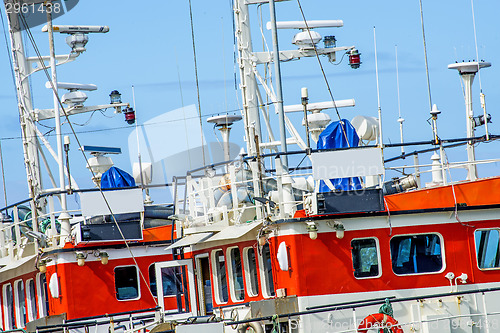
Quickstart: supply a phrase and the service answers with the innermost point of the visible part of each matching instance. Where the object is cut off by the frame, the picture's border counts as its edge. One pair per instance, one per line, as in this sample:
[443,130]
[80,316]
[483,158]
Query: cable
[37,51]
[196,77]
[8,53]
[425,54]
[324,76]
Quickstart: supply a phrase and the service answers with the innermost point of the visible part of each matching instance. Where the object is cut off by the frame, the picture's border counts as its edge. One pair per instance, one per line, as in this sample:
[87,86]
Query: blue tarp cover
[115,177]
[333,137]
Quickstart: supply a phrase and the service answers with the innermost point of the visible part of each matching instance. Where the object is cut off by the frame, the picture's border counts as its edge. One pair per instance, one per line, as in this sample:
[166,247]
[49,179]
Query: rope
[387,308]
[276,324]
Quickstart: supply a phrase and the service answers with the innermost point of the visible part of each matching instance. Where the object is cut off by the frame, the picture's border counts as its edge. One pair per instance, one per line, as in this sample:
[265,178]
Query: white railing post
[17,230]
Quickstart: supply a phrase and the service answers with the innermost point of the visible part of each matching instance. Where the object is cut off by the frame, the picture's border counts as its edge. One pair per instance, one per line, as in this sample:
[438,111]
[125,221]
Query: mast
[279,91]
[25,106]
[248,81]
[57,112]
[467,71]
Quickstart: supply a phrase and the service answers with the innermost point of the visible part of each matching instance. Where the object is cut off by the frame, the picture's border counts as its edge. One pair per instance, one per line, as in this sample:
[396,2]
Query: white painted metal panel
[233,232]
[190,240]
[205,328]
[354,162]
[120,201]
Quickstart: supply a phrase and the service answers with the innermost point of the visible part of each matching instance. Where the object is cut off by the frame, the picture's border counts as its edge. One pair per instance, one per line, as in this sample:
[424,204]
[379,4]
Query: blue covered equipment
[333,137]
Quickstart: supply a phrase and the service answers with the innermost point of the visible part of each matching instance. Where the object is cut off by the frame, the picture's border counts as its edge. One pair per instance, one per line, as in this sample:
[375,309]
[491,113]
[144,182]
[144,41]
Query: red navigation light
[354,58]
[129,115]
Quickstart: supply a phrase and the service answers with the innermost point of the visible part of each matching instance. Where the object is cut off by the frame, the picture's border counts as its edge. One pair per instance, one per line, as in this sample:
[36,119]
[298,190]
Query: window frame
[42,311]
[31,313]
[8,324]
[199,281]
[379,259]
[477,254]
[230,270]
[138,283]
[265,287]
[149,280]
[216,283]
[443,253]
[246,270]
[17,304]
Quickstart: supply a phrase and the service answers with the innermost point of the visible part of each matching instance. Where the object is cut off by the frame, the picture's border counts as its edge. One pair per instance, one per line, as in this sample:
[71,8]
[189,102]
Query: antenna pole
[400,119]
[279,91]
[381,143]
[63,217]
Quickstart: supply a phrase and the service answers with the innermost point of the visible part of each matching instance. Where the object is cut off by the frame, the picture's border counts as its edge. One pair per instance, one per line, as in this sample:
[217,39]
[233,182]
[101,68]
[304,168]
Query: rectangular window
[252,277]
[8,307]
[267,271]
[220,276]
[487,248]
[237,289]
[126,283]
[415,254]
[43,302]
[20,300]
[169,277]
[31,299]
[365,258]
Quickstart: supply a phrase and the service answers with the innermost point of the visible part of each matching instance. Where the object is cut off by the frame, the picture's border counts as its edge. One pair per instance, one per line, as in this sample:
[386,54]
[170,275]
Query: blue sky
[149,46]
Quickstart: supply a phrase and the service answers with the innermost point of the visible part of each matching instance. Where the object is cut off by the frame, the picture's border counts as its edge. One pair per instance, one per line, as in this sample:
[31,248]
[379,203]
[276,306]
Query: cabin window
[220,276]
[126,283]
[267,271]
[31,299]
[8,307]
[251,274]
[236,275]
[20,303]
[43,302]
[365,258]
[168,280]
[415,254]
[487,248]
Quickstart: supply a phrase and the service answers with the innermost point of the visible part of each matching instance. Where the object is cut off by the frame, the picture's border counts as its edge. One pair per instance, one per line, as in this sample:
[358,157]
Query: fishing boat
[294,233]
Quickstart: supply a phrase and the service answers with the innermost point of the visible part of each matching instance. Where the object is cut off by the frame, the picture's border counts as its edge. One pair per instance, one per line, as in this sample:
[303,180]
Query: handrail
[345,307]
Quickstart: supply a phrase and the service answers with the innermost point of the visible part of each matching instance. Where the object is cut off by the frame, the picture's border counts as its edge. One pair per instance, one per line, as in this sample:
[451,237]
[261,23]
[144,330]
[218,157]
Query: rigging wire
[425,55]
[143,125]
[196,77]
[3,176]
[400,119]
[475,42]
[324,76]
[45,70]
[482,97]
[8,53]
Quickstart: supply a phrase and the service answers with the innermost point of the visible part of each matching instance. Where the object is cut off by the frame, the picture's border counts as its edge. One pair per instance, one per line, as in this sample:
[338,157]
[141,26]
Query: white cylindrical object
[304,93]
[437,175]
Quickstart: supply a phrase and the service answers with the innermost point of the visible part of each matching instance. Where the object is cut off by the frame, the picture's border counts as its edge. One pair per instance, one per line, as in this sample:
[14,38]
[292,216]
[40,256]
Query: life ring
[383,321]
[255,326]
